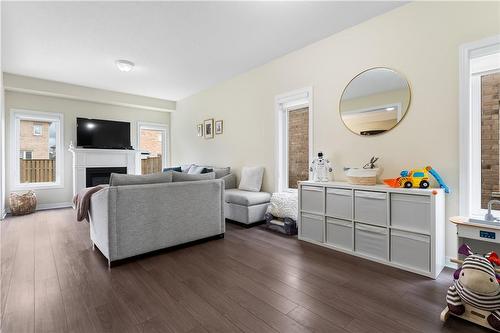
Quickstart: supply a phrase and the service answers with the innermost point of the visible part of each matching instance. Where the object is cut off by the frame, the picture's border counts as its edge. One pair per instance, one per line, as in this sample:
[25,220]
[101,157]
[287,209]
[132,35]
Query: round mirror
[375,101]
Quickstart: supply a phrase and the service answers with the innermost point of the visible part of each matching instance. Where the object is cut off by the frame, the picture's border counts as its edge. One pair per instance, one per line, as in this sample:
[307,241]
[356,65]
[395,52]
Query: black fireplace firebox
[97,176]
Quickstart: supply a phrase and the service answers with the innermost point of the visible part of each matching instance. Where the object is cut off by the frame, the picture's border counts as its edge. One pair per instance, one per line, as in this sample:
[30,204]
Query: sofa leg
[93,246]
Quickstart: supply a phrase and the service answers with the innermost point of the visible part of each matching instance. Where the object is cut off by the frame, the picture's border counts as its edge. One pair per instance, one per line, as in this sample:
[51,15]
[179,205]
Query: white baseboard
[48,206]
[54,205]
[450,264]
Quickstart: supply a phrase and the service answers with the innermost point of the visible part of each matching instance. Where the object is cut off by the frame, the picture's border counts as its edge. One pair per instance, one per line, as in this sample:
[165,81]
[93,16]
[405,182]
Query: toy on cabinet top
[320,167]
[417,178]
[476,285]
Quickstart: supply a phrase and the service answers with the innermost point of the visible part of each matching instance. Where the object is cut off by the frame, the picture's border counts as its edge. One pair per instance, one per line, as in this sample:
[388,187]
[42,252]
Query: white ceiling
[179,48]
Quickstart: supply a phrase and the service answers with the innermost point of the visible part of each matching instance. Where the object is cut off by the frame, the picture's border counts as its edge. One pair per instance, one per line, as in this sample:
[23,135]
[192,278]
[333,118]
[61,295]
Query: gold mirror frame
[361,73]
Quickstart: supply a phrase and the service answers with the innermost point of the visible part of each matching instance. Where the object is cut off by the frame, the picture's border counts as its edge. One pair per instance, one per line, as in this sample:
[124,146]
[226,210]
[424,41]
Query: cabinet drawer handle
[371,195]
[312,217]
[312,188]
[346,193]
[407,235]
[374,230]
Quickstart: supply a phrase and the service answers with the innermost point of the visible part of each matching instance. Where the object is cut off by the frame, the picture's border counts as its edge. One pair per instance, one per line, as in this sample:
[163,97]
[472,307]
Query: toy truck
[417,178]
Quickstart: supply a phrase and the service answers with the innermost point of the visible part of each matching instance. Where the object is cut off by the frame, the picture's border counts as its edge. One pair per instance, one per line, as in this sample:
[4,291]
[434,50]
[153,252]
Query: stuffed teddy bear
[476,284]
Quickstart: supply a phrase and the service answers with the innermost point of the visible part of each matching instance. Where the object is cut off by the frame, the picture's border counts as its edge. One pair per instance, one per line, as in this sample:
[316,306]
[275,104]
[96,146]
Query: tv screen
[102,134]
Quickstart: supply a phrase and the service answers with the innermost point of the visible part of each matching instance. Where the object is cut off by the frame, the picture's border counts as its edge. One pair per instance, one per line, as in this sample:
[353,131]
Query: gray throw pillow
[184,177]
[118,179]
[251,178]
[221,172]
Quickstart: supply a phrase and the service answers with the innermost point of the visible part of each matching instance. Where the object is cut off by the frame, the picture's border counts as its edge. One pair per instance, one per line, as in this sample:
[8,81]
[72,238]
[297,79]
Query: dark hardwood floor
[250,281]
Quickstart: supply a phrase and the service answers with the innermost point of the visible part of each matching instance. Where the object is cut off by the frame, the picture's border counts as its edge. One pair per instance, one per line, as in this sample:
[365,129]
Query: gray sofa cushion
[251,178]
[246,198]
[118,179]
[221,172]
[184,177]
[229,181]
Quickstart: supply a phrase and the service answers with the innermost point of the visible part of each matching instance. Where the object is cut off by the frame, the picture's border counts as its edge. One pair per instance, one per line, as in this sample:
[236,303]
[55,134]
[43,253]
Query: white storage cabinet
[394,226]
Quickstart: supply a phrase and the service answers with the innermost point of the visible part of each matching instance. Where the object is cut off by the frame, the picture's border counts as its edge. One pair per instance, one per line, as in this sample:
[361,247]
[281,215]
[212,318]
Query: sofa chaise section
[130,220]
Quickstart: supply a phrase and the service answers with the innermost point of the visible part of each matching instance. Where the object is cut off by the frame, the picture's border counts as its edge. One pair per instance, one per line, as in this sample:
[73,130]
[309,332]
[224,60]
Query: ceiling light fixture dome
[124,65]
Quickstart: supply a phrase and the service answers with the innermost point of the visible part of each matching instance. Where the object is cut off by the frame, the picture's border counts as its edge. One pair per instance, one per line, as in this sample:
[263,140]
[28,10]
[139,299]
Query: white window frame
[470,130]
[283,102]
[35,132]
[24,153]
[165,138]
[16,115]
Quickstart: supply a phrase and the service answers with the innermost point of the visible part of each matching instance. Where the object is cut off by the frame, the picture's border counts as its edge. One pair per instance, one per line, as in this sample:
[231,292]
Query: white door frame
[163,128]
[282,103]
[469,127]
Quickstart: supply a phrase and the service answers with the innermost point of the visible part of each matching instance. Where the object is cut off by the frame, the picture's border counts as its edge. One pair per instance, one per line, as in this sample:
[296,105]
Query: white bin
[410,250]
[411,212]
[339,203]
[370,207]
[312,227]
[312,199]
[339,233]
[371,241]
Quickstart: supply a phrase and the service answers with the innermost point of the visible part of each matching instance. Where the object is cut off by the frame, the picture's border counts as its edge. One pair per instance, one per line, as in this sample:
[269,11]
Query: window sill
[37,186]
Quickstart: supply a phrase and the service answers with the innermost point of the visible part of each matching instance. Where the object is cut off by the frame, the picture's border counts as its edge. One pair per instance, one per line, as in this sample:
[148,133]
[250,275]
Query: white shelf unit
[403,228]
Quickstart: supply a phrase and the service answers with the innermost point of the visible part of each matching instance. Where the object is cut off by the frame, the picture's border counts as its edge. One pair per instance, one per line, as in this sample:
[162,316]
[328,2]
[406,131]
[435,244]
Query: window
[294,139]
[36,145]
[152,140]
[26,155]
[37,129]
[418,174]
[479,126]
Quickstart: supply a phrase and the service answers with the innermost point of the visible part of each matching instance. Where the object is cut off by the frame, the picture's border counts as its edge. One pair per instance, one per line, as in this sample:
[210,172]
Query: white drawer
[411,250]
[312,227]
[312,199]
[370,207]
[339,233]
[339,203]
[411,212]
[371,241]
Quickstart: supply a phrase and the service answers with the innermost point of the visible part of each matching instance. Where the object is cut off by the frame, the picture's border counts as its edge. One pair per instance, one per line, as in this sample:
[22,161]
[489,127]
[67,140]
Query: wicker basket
[362,176]
[22,204]
[362,180]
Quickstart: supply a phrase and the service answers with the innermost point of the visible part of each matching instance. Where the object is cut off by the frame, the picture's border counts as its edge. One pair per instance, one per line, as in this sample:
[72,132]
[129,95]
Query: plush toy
[320,167]
[476,284]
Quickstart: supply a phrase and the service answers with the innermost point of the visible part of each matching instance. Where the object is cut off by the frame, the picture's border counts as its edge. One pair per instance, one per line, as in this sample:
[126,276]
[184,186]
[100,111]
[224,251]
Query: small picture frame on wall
[219,127]
[209,128]
[199,129]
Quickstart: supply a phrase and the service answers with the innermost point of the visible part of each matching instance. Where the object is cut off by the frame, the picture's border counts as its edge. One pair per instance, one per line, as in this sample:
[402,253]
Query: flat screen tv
[102,134]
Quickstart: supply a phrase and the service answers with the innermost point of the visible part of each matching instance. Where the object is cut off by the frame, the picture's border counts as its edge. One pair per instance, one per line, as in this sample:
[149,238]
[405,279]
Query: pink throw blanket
[81,201]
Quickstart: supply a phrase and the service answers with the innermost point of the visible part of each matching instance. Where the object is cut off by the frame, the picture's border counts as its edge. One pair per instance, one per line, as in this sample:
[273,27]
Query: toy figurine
[320,167]
[475,292]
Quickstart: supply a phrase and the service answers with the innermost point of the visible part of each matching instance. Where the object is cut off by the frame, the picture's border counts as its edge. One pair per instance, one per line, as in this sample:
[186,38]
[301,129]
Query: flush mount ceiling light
[124,65]
[392,108]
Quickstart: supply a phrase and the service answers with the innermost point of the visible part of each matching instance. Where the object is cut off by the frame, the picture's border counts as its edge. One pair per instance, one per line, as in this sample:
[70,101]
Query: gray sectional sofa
[129,220]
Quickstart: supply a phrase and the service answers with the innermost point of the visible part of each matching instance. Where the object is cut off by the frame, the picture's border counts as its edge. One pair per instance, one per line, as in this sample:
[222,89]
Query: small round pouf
[22,204]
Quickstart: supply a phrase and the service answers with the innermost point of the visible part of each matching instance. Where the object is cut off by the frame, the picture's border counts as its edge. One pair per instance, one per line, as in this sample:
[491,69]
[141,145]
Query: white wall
[71,109]
[420,40]
[2,129]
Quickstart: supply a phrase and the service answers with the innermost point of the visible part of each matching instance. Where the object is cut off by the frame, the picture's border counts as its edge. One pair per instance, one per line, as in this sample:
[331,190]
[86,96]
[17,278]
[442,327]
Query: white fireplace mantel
[84,158]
